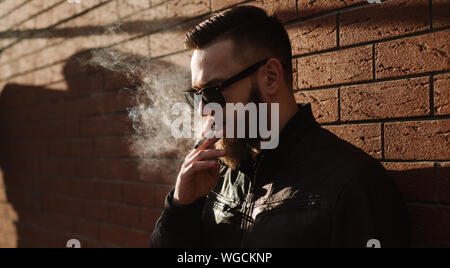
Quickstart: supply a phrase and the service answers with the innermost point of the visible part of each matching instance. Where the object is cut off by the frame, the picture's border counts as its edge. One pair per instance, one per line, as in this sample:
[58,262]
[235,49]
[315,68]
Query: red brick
[284,10]
[157,2]
[20,14]
[404,98]
[58,149]
[86,228]
[55,15]
[103,15]
[98,211]
[97,168]
[443,177]
[80,107]
[349,65]
[120,124]
[421,140]
[81,148]
[84,85]
[53,239]
[116,81]
[111,147]
[139,194]
[220,4]
[442,94]
[27,232]
[127,7]
[99,104]
[144,22]
[160,195]
[137,47]
[107,125]
[365,136]
[72,207]
[414,55]
[149,217]
[71,128]
[389,19]
[168,41]
[46,76]
[415,180]
[137,239]
[159,170]
[107,191]
[187,9]
[123,169]
[56,222]
[324,103]
[441,13]
[64,206]
[312,36]
[8,6]
[294,75]
[112,234]
[124,215]
[81,188]
[123,237]
[93,244]
[307,8]
[181,62]
[20,181]
[152,20]
[25,149]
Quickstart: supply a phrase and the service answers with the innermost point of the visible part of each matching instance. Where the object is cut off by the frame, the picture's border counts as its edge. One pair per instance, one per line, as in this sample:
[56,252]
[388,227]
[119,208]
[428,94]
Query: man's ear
[273,71]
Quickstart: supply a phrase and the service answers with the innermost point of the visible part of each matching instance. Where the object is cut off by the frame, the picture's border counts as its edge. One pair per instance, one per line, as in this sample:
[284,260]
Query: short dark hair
[252,31]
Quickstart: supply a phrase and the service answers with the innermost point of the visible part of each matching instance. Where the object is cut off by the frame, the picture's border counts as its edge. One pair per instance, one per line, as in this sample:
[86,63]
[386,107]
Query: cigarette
[210,133]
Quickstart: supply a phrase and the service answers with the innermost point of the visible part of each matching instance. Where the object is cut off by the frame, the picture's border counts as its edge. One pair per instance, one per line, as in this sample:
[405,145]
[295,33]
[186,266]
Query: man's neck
[287,111]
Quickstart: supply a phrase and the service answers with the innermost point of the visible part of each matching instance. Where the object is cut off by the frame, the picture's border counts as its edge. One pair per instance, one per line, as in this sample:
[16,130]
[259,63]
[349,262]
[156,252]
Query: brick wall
[376,75]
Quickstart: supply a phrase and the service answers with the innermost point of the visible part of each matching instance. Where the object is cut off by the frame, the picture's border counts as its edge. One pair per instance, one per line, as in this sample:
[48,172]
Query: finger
[205,155]
[200,166]
[215,172]
[207,143]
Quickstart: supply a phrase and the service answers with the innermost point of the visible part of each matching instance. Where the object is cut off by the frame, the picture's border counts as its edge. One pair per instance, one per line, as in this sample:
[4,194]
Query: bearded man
[312,190]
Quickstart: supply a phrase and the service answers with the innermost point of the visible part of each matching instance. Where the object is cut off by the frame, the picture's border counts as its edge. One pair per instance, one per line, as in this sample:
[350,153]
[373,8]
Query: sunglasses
[214,94]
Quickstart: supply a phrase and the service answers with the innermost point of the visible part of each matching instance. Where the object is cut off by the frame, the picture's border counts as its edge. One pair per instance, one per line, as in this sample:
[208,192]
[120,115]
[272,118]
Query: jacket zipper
[248,209]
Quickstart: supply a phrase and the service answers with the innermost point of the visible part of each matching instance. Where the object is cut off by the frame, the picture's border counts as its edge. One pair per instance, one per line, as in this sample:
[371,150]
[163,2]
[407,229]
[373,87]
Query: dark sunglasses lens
[213,96]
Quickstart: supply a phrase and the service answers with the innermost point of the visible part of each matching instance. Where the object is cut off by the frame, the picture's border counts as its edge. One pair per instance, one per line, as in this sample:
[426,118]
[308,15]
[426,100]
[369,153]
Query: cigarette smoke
[158,85]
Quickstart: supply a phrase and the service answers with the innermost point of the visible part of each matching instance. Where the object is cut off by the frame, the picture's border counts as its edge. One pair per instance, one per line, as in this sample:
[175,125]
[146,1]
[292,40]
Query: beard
[243,149]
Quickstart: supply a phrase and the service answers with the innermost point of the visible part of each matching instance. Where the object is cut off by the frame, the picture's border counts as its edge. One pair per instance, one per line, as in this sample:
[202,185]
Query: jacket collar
[292,133]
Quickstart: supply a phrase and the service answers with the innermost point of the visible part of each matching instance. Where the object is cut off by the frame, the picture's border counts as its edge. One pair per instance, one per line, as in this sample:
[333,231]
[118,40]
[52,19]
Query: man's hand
[199,173]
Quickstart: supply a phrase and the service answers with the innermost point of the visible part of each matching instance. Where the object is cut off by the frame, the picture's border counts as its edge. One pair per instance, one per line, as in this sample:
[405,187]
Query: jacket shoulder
[338,162]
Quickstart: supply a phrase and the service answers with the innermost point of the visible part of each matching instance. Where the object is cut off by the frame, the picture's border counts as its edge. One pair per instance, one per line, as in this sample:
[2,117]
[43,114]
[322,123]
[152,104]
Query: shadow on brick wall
[424,189]
[67,164]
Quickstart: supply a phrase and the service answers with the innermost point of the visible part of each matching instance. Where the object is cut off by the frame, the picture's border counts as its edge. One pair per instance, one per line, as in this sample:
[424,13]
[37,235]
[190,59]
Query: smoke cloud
[158,86]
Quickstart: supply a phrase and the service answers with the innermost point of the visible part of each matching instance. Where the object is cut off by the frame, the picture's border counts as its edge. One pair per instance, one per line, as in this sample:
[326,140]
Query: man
[312,190]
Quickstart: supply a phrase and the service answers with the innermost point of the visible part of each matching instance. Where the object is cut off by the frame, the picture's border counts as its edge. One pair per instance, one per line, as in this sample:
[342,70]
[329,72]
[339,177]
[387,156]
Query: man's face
[216,64]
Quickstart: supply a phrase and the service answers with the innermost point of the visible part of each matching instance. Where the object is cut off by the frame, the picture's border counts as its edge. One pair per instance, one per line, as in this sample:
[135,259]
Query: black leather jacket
[314,190]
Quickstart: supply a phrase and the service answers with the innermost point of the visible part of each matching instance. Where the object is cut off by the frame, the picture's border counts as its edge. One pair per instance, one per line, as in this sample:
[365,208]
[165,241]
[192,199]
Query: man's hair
[254,34]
